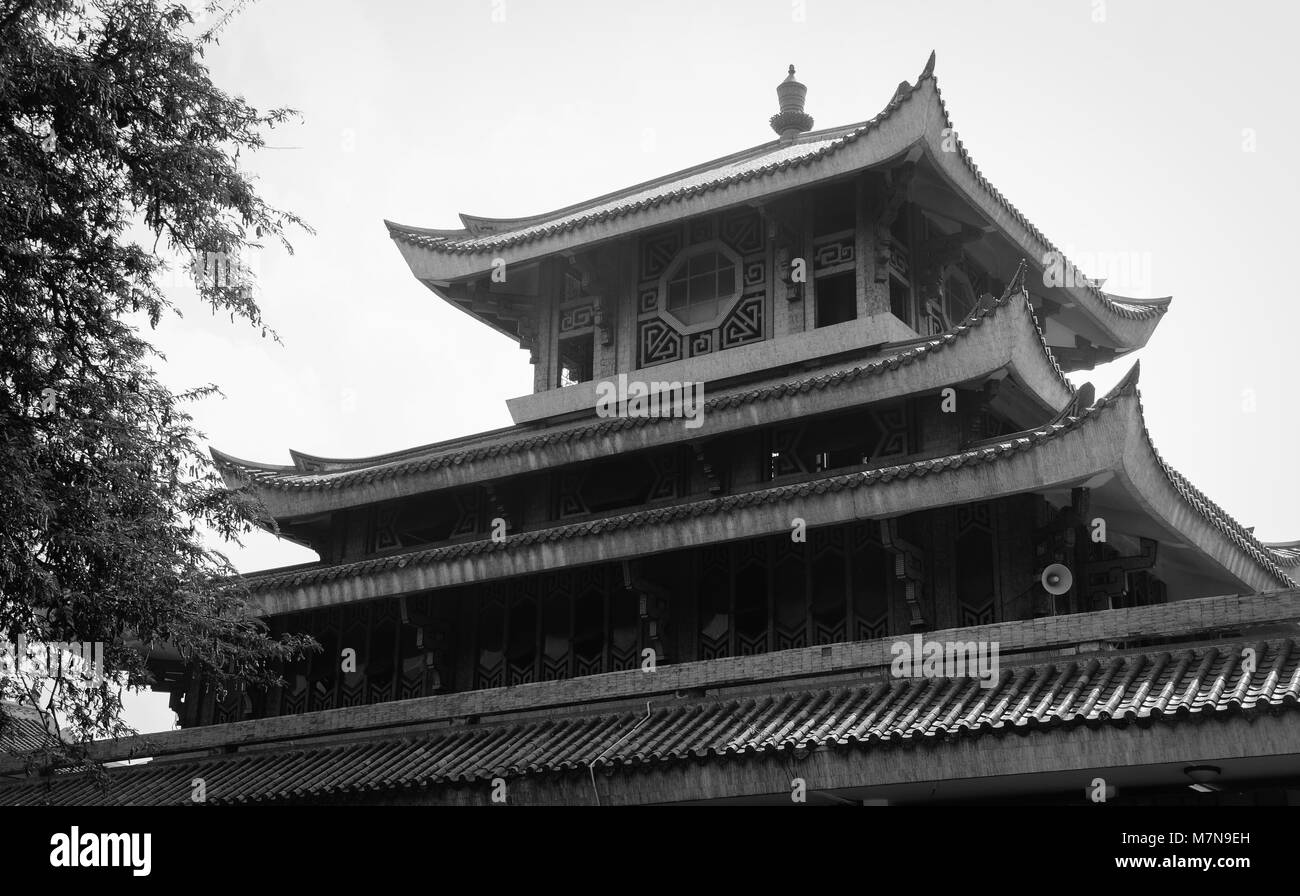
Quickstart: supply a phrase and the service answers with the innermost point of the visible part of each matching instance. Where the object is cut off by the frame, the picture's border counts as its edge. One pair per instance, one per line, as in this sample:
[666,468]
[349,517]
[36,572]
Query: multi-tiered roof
[1085,678]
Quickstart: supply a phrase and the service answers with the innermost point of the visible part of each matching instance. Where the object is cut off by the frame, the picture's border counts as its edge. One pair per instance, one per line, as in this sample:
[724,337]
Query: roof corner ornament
[1129,383]
[791,121]
[928,71]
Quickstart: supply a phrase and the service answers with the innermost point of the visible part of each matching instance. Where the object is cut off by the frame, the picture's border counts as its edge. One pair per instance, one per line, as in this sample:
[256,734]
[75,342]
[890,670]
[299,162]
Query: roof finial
[928,71]
[791,121]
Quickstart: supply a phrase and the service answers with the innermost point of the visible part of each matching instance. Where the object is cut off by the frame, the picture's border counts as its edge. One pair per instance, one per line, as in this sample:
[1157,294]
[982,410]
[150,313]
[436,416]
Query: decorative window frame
[725,306]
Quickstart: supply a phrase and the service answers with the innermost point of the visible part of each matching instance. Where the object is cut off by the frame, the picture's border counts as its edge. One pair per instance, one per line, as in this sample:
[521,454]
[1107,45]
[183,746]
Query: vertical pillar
[629,300]
[873,289]
[550,284]
[803,308]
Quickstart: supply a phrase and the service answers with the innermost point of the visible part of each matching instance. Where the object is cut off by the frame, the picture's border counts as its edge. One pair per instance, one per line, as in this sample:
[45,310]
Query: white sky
[1125,136]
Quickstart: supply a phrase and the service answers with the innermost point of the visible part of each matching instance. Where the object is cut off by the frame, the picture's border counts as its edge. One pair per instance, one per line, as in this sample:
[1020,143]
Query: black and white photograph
[492,404]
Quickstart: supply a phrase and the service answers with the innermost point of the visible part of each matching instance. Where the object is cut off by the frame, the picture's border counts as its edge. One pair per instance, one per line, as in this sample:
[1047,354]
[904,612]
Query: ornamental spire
[791,121]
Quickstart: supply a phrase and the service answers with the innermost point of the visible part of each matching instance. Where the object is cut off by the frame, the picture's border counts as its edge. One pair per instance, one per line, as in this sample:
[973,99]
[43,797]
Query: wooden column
[873,290]
[549,286]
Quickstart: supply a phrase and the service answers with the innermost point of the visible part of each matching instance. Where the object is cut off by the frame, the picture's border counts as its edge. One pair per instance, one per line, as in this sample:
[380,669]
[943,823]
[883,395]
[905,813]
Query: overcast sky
[1160,134]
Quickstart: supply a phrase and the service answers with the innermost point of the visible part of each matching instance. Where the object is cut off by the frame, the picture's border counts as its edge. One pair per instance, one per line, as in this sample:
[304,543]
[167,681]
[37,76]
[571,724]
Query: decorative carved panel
[668,475]
[660,338]
[976,565]
[657,252]
[657,343]
[743,231]
[700,229]
[834,255]
[578,317]
[775,594]
[568,495]
[744,325]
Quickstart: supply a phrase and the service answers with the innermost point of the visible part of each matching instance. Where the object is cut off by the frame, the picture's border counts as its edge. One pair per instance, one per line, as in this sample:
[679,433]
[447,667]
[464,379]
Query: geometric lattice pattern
[744,324]
[386,660]
[657,343]
[658,250]
[577,317]
[975,565]
[579,621]
[774,593]
[834,255]
[743,232]
[701,343]
[659,340]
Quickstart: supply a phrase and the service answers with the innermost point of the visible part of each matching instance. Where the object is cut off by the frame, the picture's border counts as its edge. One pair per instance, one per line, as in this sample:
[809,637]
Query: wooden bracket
[715,481]
[909,568]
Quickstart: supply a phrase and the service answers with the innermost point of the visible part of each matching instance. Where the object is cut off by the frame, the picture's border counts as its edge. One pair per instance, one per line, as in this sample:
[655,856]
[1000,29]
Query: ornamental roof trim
[1287,553]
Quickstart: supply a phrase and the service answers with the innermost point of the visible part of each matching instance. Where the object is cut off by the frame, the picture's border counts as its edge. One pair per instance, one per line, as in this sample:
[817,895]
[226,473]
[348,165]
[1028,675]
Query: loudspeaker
[1057,579]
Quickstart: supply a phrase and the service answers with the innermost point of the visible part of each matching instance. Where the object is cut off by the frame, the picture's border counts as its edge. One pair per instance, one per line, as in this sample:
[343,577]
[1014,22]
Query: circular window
[700,286]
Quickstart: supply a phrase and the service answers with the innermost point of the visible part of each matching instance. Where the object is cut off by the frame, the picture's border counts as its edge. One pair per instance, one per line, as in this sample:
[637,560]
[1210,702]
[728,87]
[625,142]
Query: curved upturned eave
[1170,497]
[1287,553]
[1109,437]
[237,472]
[915,117]
[1001,335]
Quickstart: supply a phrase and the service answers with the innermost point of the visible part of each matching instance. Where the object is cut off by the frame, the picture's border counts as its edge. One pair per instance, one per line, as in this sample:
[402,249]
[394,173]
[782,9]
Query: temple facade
[800,423]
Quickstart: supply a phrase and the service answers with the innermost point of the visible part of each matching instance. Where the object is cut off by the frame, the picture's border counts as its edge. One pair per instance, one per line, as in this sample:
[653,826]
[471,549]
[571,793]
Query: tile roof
[386,467]
[987,452]
[22,731]
[755,163]
[1168,687]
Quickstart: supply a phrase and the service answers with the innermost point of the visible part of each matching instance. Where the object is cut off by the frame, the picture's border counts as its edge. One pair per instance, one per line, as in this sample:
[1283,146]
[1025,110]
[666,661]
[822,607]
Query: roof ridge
[840,132]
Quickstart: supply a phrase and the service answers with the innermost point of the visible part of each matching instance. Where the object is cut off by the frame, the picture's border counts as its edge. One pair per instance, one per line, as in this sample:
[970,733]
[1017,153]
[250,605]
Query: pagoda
[843,432]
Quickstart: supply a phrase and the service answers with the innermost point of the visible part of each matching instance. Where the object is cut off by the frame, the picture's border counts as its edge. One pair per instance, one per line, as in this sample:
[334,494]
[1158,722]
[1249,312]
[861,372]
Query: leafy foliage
[117,151]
